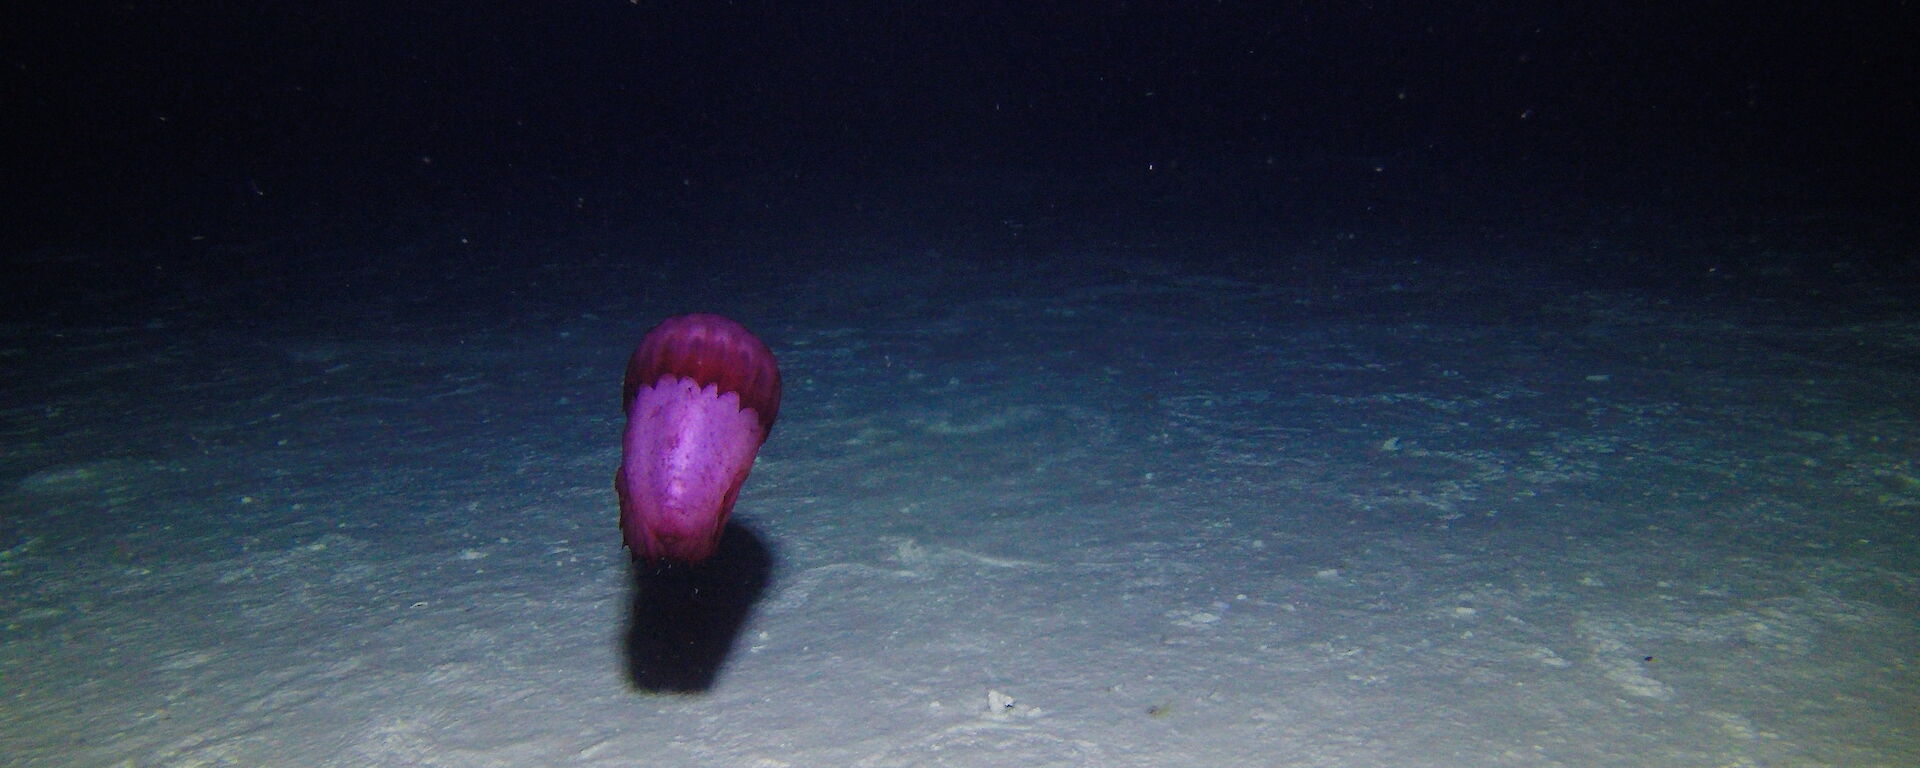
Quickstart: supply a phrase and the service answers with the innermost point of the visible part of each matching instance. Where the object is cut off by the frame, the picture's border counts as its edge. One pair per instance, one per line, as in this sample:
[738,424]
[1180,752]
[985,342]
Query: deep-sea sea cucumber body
[701,394]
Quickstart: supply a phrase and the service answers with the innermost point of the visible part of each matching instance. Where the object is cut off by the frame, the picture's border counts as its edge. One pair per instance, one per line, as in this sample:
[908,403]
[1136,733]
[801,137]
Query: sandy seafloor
[1183,497]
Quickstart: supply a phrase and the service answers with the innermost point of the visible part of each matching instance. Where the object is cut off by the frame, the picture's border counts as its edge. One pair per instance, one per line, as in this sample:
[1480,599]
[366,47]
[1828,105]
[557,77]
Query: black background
[156,124]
